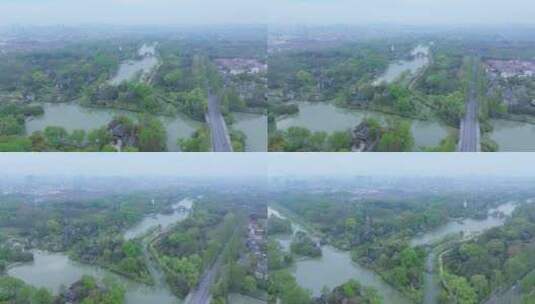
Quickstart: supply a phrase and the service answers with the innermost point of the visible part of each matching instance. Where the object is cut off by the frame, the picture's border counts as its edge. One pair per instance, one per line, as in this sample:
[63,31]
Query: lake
[334,268]
[255,128]
[73,116]
[323,116]
[54,271]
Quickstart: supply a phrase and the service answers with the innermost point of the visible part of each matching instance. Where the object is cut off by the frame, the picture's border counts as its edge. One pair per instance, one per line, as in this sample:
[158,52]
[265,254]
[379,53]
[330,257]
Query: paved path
[201,294]
[469,135]
[219,132]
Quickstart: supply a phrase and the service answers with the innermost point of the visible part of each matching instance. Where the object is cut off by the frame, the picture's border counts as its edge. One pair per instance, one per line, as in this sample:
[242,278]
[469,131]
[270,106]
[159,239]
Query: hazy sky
[261,11]
[133,164]
[412,12]
[426,164]
[128,12]
[261,164]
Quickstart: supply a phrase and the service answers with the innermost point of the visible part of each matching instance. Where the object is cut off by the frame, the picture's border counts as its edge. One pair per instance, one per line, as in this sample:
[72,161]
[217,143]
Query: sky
[272,164]
[131,12]
[403,164]
[133,164]
[410,12]
[176,12]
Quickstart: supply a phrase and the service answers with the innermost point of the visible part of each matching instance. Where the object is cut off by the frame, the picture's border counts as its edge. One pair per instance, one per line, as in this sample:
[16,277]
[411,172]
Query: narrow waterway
[513,136]
[73,116]
[162,220]
[55,271]
[420,59]
[131,69]
[255,128]
[468,227]
[334,268]
[323,116]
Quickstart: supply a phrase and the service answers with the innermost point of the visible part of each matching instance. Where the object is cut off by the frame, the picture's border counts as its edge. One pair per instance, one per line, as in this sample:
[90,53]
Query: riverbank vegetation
[351,292]
[192,246]
[298,139]
[343,75]
[87,290]
[12,251]
[378,231]
[284,289]
[200,141]
[277,258]
[243,270]
[277,225]
[147,134]
[493,262]
[312,69]
[89,230]
[175,76]
[303,245]
[394,135]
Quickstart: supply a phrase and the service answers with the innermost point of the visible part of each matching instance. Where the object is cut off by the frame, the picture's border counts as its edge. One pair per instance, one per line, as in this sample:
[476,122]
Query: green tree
[249,284]
[481,285]
[152,135]
[9,125]
[56,137]
[340,141]
[397,138]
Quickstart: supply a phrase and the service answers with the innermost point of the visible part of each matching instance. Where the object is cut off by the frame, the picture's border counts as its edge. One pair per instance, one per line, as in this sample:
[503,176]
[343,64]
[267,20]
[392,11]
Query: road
[431,283]
[511,296]
[469,135]
[201,294]
[218,128]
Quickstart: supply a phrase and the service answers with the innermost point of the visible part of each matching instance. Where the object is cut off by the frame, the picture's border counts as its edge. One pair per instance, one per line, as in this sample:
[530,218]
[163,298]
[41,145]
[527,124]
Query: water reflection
[334,268]
[72,116]
[322,116]
[130,69]
[180,212]
[55,271]
[420,59]
[255,128]
[467,226]
[513,136]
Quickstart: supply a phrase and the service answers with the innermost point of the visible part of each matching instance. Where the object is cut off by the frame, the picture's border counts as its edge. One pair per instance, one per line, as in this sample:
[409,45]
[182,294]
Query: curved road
[218,128]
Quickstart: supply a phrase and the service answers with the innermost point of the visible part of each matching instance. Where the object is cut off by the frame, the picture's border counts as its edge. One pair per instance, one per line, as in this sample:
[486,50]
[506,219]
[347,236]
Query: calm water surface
[128,70]
[162,220]
[255,127]
[513,136]
[72,116]
[396,69]
[467,226]
[334,268]
[323,116]
[54,271]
